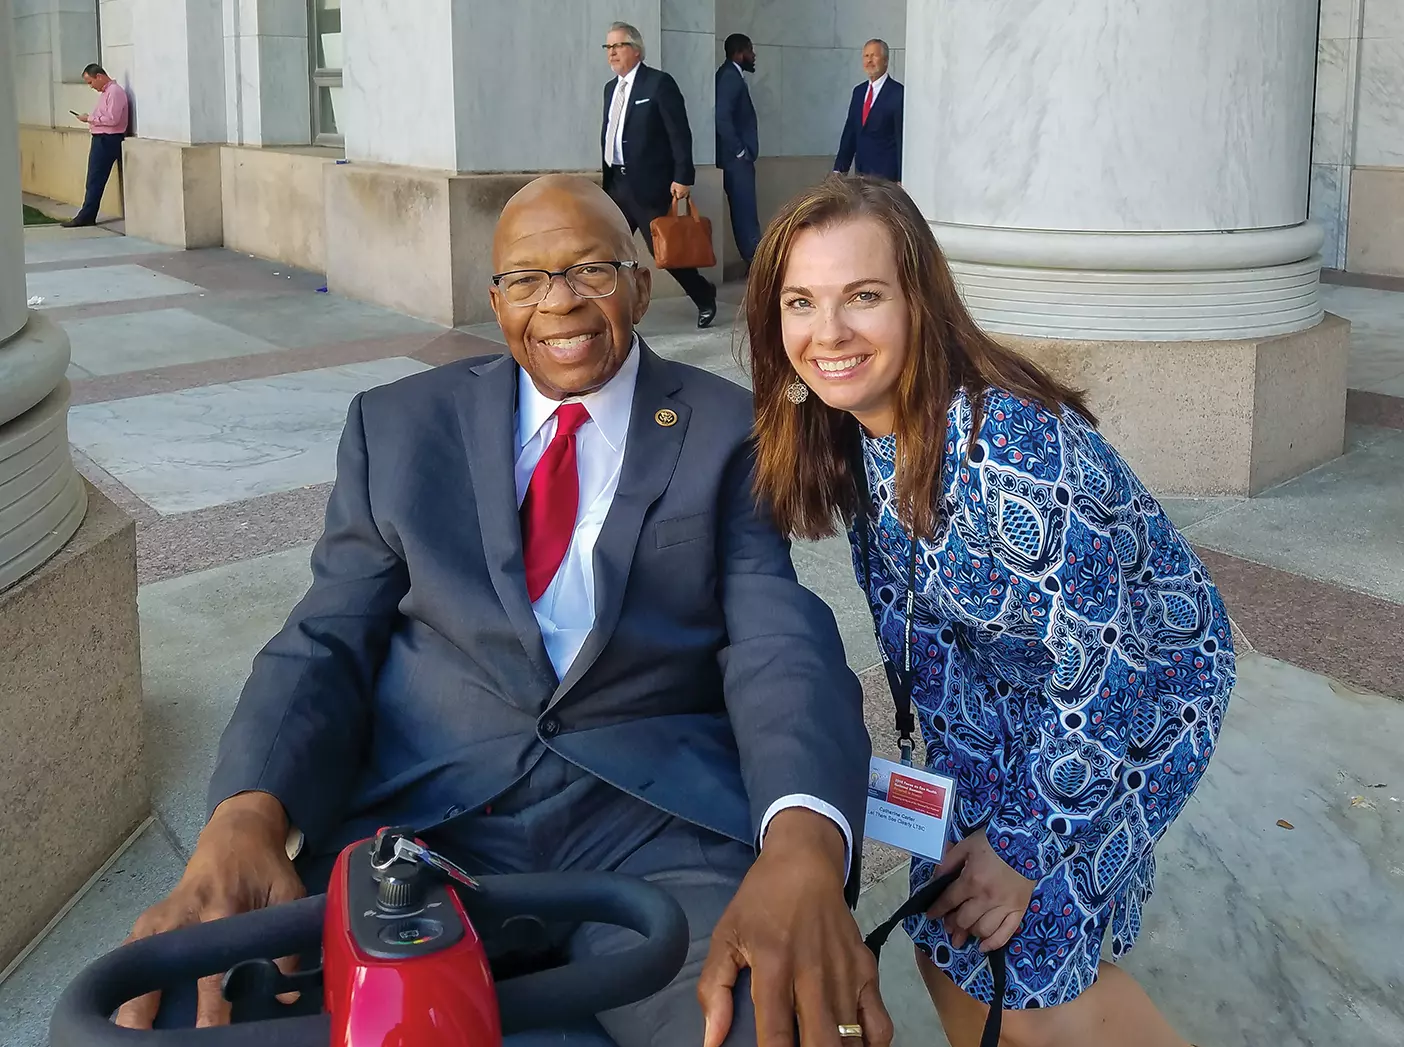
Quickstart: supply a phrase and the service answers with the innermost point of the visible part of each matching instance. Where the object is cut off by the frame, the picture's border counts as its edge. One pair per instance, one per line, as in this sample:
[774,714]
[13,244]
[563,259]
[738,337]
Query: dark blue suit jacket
[874,148]
[736,116]
[411,684]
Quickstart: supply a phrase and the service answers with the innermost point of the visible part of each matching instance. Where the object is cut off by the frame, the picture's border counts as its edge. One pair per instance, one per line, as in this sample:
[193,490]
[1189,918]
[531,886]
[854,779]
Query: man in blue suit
[872,136]
[738,142]
[550,628]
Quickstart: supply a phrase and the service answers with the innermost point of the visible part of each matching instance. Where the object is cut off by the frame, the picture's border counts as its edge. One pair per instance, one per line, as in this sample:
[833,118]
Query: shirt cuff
[813,803]
[294,842]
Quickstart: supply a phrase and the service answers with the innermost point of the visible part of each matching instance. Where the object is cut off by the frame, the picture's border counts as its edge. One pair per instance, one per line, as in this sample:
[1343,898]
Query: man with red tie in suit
[872,135]
[550,628]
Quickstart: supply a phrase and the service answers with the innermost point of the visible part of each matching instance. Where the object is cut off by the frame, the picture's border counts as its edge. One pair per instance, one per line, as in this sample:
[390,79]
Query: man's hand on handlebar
[240,863]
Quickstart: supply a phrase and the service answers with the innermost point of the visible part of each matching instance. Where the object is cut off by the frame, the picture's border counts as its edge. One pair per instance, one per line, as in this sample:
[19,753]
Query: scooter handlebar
[545,999]
[82,1016]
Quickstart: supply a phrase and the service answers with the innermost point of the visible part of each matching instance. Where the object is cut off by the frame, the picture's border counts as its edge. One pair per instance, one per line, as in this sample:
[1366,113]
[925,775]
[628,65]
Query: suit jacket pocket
[682,529]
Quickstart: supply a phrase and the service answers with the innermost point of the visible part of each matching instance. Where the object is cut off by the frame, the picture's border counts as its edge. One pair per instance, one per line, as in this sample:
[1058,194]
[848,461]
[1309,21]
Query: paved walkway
[209,389]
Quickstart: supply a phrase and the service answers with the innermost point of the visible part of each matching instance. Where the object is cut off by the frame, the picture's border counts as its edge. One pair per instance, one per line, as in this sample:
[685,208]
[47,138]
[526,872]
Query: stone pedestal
[74,785]
[1122,188]
[173,192]
[1271,411]
[420,241]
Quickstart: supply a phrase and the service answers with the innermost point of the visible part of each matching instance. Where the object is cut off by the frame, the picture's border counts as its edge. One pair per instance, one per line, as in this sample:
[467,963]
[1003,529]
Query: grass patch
[33,217]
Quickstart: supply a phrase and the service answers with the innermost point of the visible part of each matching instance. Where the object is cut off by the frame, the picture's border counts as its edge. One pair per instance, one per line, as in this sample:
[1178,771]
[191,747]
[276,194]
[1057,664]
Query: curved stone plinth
[42,497]
[1138,286]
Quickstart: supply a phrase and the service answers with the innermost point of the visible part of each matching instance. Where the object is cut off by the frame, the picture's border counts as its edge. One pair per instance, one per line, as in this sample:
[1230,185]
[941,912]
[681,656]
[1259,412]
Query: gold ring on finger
[850,1032]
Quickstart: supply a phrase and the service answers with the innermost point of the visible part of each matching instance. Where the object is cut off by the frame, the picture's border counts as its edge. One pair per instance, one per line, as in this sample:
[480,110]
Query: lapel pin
[666,417]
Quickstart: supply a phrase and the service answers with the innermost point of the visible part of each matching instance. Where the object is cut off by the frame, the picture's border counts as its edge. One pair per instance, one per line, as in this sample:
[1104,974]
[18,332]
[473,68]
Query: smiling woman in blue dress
[1071,660]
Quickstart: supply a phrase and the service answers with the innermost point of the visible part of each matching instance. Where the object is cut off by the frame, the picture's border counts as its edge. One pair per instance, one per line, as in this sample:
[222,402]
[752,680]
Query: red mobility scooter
[403,964]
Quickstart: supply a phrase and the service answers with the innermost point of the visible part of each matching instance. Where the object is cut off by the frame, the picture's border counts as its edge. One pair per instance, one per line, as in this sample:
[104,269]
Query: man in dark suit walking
[647,149]
[550,629]
[872,135]
[738,142]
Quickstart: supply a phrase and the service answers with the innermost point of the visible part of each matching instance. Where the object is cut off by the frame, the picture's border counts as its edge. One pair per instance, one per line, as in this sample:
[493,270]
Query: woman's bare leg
[1114,1012]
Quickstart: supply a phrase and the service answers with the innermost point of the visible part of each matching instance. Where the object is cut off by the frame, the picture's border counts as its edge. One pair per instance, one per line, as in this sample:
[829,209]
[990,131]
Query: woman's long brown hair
[805,451]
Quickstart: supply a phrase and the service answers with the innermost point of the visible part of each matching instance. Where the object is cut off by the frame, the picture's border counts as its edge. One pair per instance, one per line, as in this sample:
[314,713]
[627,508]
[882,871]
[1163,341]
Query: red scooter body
[411,975]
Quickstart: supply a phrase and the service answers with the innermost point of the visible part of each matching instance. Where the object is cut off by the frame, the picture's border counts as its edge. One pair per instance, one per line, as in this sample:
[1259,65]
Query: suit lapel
[643,83]
[650,455]
[487,417]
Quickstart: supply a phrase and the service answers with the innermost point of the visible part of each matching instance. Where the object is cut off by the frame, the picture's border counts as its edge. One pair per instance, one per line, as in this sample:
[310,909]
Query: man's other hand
[240,863]
[85,117]
[681,191]
[790,925]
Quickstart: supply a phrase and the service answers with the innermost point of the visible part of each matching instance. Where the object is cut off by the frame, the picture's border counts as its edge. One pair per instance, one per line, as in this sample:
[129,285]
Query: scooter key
[410,851]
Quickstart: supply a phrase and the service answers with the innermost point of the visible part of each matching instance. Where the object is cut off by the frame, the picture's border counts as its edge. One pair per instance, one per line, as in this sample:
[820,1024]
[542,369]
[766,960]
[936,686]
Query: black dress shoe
[77,223]
[706,315]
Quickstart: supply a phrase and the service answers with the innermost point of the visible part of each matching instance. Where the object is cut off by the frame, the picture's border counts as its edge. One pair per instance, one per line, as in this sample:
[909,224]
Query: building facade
[1082,164]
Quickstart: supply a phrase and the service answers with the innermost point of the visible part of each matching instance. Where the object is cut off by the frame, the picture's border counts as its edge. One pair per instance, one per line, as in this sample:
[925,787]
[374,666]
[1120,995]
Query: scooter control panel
[401,910]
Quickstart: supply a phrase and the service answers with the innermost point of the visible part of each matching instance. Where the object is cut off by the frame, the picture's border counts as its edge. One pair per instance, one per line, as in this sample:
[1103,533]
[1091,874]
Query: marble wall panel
[283,90]
[792,23]
[1379,135]
[767,86]
[116,22]
[394,68]
[1329,191]
[1339,18]
[74,39]
[817,85]
[858,21]
[31,35]
[179,51]
[558,106]
[689,16]
[688,58]
[1334,67]
[1110,116]
[1383,19]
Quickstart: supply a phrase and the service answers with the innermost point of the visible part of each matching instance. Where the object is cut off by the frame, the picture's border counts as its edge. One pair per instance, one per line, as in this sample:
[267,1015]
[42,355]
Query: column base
[173,192]
[70,721]
[41,494]
[1212,417]
[420,241]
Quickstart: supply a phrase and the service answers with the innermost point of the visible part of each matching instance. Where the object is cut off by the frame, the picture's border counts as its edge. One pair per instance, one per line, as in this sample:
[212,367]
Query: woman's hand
[987,901]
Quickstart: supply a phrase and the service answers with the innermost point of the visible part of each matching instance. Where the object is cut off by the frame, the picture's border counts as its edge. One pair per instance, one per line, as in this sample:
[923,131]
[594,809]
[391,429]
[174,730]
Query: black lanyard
[901,679]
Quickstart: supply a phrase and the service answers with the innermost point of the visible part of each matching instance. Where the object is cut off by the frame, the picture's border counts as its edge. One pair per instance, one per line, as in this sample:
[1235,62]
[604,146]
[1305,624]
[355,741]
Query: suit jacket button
[550,727]
[453,812]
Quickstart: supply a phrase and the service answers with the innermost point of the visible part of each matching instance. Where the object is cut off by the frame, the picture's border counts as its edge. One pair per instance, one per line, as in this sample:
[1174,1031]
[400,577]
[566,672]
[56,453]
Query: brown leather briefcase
[682,241]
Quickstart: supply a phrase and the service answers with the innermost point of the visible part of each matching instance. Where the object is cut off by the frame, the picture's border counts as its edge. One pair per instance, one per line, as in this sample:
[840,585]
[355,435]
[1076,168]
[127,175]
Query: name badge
[908,808]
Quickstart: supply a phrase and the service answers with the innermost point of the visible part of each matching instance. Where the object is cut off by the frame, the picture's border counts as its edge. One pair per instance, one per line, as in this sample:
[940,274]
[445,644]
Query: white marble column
[1100,169]
[42,498]
[482,85]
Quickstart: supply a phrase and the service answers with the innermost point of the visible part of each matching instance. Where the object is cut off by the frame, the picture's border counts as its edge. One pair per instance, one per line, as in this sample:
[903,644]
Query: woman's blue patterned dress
[1073,662]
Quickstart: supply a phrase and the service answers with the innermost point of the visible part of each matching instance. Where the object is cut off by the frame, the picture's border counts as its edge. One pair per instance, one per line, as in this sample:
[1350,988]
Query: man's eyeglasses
[587,279]
[611,48]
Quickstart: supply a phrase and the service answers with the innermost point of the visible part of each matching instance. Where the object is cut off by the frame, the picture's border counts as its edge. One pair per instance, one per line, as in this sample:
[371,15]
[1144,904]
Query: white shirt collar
[877,84]
[628,78]
[610,406]
[739,69]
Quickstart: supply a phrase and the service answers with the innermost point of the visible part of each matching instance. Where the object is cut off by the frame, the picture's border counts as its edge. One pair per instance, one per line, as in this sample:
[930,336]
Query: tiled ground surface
[209,389]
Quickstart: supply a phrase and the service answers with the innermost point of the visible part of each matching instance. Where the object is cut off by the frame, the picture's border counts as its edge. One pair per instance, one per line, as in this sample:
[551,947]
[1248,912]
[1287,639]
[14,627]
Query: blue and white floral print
[1073,662]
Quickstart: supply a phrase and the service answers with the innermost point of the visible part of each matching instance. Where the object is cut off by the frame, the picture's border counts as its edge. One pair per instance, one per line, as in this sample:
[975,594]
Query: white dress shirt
[614,143]
[566,610]
[876,85]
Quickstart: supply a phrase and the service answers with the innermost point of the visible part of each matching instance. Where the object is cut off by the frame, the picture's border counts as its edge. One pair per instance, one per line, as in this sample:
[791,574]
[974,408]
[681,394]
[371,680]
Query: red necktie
[868,104]
[551,502]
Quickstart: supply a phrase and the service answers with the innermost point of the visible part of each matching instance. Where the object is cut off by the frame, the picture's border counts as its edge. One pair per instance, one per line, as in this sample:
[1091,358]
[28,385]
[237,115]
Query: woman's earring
[797,392]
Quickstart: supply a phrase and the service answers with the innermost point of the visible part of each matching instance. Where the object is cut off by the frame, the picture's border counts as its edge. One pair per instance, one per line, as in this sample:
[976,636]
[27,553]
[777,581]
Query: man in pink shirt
[108,123]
